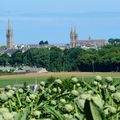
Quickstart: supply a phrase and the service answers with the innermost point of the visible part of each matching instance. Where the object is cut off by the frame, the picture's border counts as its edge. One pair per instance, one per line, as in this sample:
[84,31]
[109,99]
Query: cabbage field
[57,99]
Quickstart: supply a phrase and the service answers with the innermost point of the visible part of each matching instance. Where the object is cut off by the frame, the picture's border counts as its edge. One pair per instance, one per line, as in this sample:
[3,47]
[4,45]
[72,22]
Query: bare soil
[84,74]
[47,74]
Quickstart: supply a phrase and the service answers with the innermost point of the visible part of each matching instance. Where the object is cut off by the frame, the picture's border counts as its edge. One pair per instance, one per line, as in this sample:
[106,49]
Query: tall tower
[73,37]
[9,36]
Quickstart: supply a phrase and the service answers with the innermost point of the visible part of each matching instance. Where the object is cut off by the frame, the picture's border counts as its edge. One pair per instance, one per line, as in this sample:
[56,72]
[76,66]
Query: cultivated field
[37,77]
[77,98]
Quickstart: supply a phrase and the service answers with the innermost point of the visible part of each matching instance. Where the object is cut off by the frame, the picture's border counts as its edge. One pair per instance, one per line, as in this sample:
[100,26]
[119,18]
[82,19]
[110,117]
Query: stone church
[90,43]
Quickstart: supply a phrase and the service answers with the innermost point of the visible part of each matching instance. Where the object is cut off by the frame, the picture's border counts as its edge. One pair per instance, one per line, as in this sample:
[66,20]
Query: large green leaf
[22,115]
[54,112]
[92,111]
[79,115]
[18,116]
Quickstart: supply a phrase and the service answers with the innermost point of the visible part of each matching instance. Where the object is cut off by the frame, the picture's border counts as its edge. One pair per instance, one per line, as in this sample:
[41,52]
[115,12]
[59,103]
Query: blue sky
[52,20]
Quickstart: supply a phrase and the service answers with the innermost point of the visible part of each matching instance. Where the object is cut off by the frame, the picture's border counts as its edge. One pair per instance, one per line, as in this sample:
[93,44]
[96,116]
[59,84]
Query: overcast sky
[51,20]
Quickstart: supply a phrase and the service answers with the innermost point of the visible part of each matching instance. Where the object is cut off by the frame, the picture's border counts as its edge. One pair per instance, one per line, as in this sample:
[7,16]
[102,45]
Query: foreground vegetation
[70,99]
[74,59]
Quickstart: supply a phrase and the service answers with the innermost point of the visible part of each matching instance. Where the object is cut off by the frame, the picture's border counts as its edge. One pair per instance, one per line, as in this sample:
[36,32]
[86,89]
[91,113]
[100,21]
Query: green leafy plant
[70,99]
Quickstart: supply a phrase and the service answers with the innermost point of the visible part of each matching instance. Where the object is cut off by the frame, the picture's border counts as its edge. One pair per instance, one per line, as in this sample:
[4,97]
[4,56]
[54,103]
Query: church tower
[9,36]
[73,37]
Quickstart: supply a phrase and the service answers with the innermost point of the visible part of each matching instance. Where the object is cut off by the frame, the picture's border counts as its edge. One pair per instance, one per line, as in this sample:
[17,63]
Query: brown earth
[59,74]
[47,74]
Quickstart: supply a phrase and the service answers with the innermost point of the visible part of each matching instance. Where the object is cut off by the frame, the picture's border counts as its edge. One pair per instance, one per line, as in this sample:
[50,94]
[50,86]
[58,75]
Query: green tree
[70,59]
[56,56]
[16,59]
[37,57]
[4,60]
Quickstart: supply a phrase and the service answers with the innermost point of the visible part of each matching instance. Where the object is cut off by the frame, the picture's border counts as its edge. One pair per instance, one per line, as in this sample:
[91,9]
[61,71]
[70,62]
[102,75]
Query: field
[37,77]
[75,96]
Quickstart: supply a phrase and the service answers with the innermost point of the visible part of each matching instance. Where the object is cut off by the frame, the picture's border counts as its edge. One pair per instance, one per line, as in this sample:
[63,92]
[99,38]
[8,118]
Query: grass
[31,80]
[12,81]
[9,73]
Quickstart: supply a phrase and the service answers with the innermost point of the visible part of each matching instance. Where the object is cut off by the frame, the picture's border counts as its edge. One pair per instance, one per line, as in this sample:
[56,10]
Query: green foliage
[37,57]
[114,41]
[43,43]
[55,101]
[105,59]
[92,111]
[54,112]
[55,59]
[17,59]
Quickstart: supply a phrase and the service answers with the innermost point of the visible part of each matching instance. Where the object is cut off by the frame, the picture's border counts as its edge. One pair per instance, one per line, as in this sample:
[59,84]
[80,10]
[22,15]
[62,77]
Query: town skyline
[52,21]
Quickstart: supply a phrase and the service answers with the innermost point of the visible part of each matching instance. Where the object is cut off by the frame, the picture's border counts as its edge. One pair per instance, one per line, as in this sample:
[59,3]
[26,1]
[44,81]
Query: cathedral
[9,36]
[74,41]
[90,43]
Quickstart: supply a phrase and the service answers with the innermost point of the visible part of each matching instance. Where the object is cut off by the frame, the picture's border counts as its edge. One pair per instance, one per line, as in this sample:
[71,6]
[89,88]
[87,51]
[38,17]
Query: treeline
[74,59]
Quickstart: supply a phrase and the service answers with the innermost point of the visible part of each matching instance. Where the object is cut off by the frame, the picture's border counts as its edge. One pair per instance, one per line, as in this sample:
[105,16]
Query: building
[74,42]
[28,69]
[85,44]
[73,38]
[9,36]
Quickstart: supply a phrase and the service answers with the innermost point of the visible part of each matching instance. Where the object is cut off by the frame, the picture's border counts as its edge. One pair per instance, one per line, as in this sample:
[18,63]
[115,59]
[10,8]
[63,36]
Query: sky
[51,20]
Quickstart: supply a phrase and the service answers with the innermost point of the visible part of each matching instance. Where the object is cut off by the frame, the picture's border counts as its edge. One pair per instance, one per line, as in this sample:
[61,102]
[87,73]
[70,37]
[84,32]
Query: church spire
[9,25]
[73,37]
[9,36]
[73,29]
